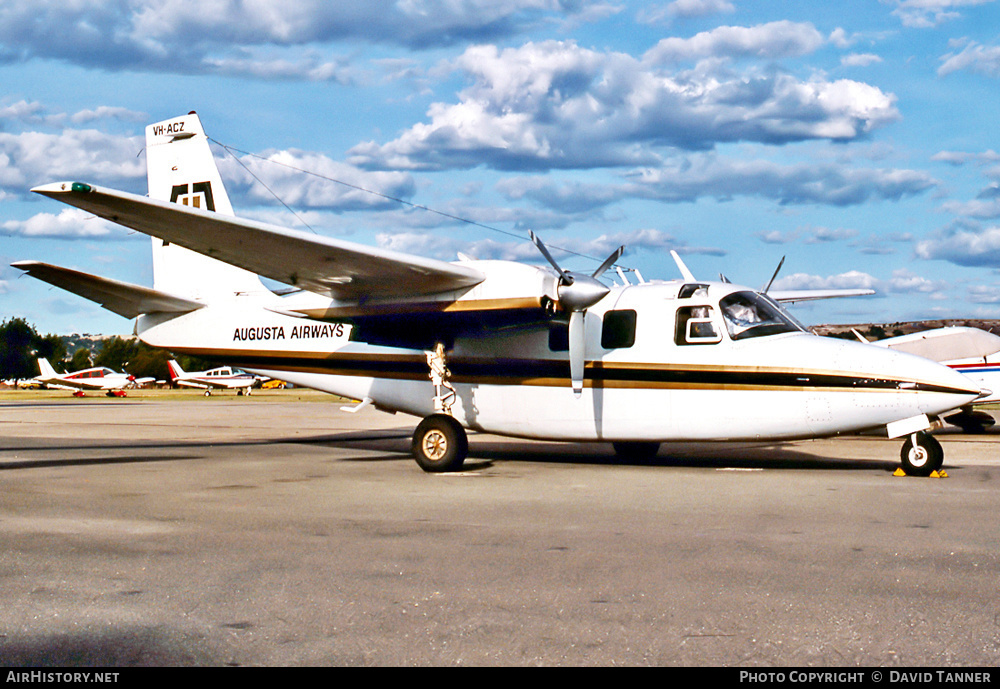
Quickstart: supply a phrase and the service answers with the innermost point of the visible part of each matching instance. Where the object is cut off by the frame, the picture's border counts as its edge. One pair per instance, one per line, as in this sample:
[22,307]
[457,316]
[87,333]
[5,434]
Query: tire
[636,451]
[440,444]
[921,459]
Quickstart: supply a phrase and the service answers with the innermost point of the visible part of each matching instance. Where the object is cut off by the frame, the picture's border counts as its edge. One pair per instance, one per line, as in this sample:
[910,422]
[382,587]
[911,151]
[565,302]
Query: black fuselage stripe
[527,372]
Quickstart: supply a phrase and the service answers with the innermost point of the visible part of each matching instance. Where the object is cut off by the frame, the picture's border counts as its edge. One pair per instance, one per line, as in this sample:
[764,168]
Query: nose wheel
[921,455]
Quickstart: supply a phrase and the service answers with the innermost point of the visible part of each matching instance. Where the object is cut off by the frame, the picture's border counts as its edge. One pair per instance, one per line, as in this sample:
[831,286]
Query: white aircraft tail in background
[533,351]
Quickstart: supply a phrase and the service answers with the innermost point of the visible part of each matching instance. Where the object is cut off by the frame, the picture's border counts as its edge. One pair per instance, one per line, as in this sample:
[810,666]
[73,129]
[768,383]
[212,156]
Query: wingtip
[62,188]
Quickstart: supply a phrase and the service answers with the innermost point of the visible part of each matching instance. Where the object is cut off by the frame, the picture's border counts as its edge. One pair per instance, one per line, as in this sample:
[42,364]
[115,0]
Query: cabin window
[559,338]
[692,289]
[695,325]
[748,314]
[619,329]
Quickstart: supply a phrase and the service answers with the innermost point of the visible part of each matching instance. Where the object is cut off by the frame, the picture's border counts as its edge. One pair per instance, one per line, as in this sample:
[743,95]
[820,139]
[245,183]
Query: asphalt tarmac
[279,531]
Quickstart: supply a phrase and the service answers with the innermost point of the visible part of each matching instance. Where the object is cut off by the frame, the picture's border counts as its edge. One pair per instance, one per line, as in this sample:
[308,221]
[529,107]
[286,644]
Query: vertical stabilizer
[180,168]
[45,369]
[176,372]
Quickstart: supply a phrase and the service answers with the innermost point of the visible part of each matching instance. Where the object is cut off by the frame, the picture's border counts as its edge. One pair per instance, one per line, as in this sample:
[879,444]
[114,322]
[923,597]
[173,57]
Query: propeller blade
[576,350]
[563,275]
[776,270]
[609,261]
[688,275]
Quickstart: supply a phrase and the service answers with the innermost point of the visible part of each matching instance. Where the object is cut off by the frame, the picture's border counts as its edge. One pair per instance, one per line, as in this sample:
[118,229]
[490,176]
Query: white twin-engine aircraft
[492,346]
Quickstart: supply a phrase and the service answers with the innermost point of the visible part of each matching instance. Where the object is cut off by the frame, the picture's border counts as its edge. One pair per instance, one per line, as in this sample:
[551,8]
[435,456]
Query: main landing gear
[440,443]
[921,455]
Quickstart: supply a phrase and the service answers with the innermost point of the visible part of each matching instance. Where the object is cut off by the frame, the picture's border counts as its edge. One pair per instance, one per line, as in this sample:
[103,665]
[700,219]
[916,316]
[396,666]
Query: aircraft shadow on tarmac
[131,646]
[484,451]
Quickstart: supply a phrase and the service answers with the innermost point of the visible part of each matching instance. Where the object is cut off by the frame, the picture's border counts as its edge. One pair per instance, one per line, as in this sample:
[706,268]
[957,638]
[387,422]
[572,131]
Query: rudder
[180,168]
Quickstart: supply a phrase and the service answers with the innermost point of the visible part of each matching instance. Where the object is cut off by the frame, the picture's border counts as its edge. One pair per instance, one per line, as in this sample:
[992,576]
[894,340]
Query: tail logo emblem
[197,195]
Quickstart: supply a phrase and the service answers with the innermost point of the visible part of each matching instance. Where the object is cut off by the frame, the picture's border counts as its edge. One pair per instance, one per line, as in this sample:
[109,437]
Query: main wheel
[440,444]
[636,451]
[923,457]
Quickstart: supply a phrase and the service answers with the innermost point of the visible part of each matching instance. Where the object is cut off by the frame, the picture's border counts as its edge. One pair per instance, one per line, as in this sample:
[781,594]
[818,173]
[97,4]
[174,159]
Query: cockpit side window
[748,314]
[695,325]
[618,331]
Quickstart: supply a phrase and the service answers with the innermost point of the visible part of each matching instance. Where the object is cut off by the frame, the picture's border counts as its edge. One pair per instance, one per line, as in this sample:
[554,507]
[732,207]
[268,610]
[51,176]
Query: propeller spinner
[576,294]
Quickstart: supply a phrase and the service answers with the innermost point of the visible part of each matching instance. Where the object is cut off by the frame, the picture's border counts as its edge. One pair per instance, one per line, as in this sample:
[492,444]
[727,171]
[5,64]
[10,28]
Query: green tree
[53,348]
[80,360]
[19,346]
[149,362]
[116,353]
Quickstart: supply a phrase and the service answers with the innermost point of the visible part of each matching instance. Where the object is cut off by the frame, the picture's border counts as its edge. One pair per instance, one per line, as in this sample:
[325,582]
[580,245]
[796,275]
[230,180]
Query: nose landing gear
[921,455]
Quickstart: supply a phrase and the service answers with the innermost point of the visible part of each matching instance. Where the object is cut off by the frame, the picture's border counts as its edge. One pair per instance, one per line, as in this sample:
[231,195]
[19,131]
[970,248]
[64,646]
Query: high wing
[789,296]
[330,267]
[125,299]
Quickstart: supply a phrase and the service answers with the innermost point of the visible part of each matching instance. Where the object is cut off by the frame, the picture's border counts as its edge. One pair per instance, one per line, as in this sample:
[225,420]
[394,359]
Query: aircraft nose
[953,389]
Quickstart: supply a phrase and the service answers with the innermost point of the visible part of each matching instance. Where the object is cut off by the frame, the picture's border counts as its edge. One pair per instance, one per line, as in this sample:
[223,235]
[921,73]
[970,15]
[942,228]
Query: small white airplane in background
[224,377]
[492,346]
[973,352]
[97,378]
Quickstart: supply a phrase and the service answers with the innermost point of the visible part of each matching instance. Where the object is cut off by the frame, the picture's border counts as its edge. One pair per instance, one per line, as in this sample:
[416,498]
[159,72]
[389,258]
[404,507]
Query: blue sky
[855,138]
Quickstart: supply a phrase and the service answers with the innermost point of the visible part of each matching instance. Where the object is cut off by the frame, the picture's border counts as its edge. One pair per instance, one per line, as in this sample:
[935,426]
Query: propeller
[776,271]
[576,294]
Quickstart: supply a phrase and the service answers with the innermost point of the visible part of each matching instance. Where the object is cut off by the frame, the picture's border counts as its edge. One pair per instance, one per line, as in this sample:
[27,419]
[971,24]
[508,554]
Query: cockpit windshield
[748,314]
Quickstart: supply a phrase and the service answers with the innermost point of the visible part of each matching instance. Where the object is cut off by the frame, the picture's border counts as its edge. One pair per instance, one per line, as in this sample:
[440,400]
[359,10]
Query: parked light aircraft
[97,378]
[492,346]
[223,377]
[970,351]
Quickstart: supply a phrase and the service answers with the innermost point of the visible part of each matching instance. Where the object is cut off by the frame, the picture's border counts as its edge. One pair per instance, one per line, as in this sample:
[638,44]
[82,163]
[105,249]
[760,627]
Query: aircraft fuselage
[664,362]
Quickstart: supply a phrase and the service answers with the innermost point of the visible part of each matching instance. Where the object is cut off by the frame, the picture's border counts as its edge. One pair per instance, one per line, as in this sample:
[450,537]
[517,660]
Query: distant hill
[880,331]
[91,343]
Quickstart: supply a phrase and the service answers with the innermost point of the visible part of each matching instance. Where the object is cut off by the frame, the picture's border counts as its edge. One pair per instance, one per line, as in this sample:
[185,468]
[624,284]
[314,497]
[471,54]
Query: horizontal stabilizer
[119,297]
[327,266]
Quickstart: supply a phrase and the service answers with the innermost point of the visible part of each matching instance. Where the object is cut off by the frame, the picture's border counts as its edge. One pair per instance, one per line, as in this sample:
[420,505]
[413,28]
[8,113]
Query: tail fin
[175,370]
[180,168]
[45,369]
